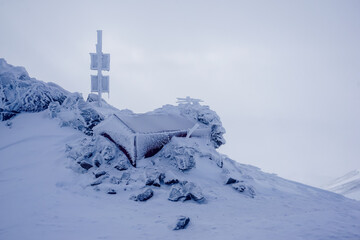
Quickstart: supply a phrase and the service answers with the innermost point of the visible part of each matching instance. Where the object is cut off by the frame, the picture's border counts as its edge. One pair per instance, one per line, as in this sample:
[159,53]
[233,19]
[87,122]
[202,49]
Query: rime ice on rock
[20,93]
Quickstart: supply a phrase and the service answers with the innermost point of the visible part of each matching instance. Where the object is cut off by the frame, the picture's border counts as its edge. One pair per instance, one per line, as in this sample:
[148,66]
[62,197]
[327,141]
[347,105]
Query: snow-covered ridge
[347,185]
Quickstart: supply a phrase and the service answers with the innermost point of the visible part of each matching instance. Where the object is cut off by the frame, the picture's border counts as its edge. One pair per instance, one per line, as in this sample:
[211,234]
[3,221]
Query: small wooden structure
[143,135]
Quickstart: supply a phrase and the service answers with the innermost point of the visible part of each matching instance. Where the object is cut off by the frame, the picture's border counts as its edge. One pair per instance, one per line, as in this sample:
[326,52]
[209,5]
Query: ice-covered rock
[179,154]
[76,113]
[122,165]
[153,178]
[241,188]
[203,115]
[20,93]
[186,191]
[183,152]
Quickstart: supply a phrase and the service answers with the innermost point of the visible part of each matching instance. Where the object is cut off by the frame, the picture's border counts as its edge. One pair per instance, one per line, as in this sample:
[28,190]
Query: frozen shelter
[143,135]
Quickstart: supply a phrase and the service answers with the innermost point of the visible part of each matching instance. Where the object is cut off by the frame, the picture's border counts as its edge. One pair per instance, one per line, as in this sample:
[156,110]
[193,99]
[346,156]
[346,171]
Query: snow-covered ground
[347,185]
[43,198]
[59,179]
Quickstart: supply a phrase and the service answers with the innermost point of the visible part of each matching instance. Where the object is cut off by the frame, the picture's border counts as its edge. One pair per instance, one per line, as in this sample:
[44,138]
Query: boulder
[86,165]
[177,192]
[194,192]
[99,174]
[153,178]
[97,182]
[231,180]
[111,191]
[182,223]
[179,153]
[186,191]
[144,196]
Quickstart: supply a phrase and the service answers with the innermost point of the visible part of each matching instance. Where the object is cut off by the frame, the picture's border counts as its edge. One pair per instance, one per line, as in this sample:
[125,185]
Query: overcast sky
[284,76]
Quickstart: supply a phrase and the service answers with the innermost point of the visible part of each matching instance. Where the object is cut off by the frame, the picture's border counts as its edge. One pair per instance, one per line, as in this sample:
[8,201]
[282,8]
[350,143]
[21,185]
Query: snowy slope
[347,185]
[59,180]
[42,197]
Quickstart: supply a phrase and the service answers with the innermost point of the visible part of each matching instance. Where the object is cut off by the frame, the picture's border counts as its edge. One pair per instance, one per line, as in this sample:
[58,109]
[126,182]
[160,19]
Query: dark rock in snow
[144,196]
[231,180]
[153,182]
[111,191]
[86,165]
[97,163]
[99,174]
[156,183]
[169,178]
[171,181]
[97,182]
[182,223]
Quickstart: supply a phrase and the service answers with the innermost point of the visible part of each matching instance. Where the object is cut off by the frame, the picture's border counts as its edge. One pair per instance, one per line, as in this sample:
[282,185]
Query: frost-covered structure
[143,135]
[203,115]
[20,93]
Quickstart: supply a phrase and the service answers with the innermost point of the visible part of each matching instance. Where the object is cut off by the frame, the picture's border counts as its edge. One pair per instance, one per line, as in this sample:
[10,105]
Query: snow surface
[347,185]
[42,197]
[61,180]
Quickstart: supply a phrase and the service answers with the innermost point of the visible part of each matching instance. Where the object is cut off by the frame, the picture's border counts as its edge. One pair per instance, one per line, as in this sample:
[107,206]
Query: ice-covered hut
[143,135]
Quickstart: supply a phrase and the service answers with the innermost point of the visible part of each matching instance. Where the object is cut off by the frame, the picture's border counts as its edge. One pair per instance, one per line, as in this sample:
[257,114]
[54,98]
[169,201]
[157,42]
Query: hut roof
[155,123]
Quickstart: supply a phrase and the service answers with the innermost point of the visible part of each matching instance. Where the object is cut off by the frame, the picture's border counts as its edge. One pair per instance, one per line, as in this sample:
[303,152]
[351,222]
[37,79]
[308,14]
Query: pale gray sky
[284,76]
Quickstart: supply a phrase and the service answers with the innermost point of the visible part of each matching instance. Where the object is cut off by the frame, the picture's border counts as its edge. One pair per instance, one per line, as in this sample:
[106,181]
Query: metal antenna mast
[99,61]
